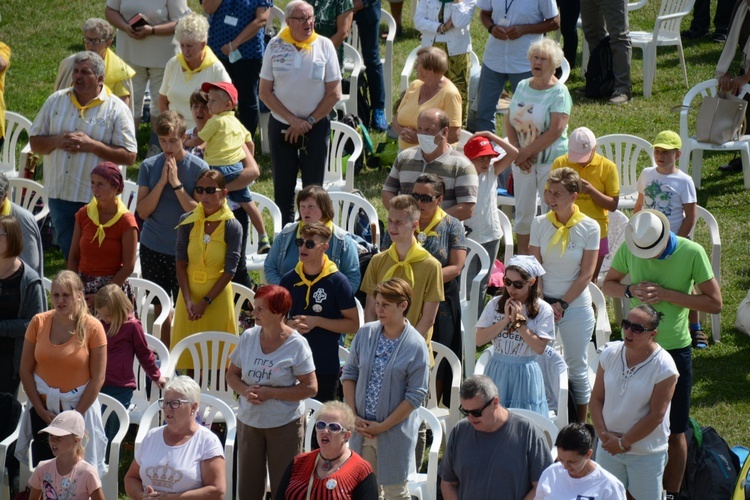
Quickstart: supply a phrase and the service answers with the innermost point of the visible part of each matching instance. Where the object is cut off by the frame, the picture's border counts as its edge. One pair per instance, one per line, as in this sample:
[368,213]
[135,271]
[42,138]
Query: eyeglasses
[304,20]
[207,190]
[475,413]
[333,427]
[94,41]
[515,284]
[309,244]
[174,404]
[635,327]
[424,198]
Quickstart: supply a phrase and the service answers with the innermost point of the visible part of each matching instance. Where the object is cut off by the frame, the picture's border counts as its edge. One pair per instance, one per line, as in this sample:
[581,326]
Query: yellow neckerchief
[415,254]
[96,101]
[563,230]
[92,211]
[5,207]
[328,224]
[423,235]
[197,216]
[286,35]
[329,267]
[209,59]
[115,69]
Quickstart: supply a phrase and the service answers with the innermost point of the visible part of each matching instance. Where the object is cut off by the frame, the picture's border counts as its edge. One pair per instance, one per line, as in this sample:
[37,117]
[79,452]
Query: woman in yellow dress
[207,253]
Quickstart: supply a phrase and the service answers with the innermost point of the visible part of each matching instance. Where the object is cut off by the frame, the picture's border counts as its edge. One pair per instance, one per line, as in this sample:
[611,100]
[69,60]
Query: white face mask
[427,142]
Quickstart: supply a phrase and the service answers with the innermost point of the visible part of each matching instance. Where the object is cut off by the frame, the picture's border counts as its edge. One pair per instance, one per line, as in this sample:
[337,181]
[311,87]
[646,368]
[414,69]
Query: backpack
[712,468]
[356,123]
[600,78]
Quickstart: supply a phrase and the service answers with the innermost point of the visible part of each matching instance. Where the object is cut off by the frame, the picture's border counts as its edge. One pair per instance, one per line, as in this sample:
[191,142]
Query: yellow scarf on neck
[329,267]
[301,224]
[96,101]
[115,69]
[562,234]
[415,254]
[198,216]
[209,59]
[92,211]
[428,231]
[5,207]
[286,35]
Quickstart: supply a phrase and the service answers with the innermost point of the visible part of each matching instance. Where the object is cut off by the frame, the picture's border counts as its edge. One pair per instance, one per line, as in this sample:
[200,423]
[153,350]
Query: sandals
[700,341]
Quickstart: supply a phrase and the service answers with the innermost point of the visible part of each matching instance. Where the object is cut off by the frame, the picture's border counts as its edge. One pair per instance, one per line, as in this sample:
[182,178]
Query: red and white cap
[225,86]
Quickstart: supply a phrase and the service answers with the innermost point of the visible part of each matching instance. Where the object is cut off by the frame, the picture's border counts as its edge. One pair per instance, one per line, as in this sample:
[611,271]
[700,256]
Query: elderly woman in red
[105,236]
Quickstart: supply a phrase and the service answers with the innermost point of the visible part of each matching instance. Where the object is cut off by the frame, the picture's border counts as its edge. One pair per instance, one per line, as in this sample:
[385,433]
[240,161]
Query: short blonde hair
[191,28]
[395,290]
[406,203]
[548,47]
[185,386]
[347,415]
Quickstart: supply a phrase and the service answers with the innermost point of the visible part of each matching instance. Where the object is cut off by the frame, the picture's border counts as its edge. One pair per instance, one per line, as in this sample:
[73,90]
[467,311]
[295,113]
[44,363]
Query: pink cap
[225,86]
[581,145]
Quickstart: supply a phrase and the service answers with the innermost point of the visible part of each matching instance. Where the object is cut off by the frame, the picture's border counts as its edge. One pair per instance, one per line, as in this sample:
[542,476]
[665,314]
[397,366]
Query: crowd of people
[209,75]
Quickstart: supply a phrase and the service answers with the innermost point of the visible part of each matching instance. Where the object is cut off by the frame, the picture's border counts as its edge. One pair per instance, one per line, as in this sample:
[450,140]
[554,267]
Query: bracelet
[208,301]
[177,187]
[153,30]
[619,443]
[231,49]
[489,30]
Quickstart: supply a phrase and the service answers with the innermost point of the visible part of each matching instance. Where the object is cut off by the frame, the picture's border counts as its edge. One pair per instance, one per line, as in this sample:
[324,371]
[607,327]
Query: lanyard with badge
[232,20]
[505,22]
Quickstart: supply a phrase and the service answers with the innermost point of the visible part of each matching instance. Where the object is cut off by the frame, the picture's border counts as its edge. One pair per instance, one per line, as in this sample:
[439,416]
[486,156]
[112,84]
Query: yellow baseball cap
[668,140]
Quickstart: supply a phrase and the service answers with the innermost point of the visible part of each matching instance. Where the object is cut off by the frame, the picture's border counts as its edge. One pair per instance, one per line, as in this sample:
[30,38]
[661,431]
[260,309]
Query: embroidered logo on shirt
[319,295]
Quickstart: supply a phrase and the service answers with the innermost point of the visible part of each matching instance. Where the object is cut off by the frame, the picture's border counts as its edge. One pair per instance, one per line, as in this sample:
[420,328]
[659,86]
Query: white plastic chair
[255,260]
[448,417]
[602,326]
[424,486]
[241,294]
[547,426]
[470,293]
[692,147]
[312,407]
[275,19]
[145,294]
[628,152]
[4,445]
[463,138]
[15,126]
[209,352]
[111,406]
[346,209]
[211,409]
[617,223]
[334,177]
[553,365]
[26,193]
[353,62]
[343,355]
[715,255]
[666,33]
[142,397]
[481,365]
[565,68]
[129,195]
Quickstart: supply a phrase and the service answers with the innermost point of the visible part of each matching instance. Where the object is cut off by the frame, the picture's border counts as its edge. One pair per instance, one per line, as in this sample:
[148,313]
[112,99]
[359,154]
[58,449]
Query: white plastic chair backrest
[312,407]
[129,195]
[110,406]
[616,236]
[602,328]
[555,374]
[704,89]
[628,152]
[565,67]
[463,138]
[276,19]
[27,193]
[470,294]
[146,293]
[340,135]
[141,397]
[670,16]
[209,352]
[241,295]
[4,447]
[387,18]
[715,256]
[343,355]
[266,204]
[353,60]
[433,424]
[444,353]
[47,284]
[547,426]
[16,125]
[346,211]
[637,5]
[409,64]
[484,358]
[507,228]
[360,311]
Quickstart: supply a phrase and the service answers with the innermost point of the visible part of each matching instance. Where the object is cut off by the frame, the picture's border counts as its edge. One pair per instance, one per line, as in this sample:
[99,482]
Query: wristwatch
[177,187]
[311,120]
[563,304]
[208,301]
[619,443]
[627,292]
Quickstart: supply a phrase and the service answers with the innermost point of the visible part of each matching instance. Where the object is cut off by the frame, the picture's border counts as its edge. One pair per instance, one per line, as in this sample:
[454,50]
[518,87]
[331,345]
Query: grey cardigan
[33,301]
[405,378]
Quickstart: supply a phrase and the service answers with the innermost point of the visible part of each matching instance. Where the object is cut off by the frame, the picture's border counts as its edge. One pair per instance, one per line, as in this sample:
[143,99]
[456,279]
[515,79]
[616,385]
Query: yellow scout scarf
[328,224]
[5,207]
[198,217]
[209,59]
[428,231]
[329,267]
[286,35]
[96,101]
[562,234]
[93,212]
[115,69]
[415,254]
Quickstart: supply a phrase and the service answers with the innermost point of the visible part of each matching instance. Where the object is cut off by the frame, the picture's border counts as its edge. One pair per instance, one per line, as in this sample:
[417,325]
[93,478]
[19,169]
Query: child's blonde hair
[117,303]
[71,283]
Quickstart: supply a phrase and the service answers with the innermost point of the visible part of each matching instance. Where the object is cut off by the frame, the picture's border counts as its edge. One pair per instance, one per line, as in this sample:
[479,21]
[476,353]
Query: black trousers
[245,74]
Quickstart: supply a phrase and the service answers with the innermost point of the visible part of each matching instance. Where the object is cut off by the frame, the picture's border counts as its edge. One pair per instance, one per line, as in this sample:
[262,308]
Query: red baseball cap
[225,86]
[479,146]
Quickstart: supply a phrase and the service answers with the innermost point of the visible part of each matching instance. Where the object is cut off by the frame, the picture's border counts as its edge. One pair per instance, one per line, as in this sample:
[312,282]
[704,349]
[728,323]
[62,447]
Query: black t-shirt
[10,295]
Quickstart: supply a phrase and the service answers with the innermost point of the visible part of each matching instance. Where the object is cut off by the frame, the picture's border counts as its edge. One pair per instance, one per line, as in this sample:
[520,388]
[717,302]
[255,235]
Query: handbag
[721,119]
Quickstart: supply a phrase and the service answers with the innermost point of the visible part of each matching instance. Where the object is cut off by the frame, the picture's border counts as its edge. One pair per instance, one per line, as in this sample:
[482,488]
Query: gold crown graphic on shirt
[163,475]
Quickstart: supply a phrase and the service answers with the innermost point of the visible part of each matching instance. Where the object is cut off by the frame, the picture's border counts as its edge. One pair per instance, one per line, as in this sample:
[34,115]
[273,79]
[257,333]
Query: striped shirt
[66,175]
[458,173]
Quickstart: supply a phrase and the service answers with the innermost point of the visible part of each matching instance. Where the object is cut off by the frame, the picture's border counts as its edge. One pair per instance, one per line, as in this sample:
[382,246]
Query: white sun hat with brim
[647,234]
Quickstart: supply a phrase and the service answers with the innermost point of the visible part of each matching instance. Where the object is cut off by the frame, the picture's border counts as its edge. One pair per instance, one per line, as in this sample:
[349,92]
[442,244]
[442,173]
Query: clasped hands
[368,428]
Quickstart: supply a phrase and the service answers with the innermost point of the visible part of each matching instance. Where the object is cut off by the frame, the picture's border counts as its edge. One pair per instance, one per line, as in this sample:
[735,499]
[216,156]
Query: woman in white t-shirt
[630,402]
[519,324]
[272,370]
[181,456]
[575,475]
[566,242]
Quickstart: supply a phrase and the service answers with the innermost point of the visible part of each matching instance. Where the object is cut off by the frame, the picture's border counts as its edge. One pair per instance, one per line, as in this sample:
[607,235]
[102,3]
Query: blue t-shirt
[328,297]
[221,32]
[159,233]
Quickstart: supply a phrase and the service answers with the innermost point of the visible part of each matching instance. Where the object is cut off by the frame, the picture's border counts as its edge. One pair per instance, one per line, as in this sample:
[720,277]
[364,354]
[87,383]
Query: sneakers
[378,120]
[619,99]
[733,166]
[693,34]
[264,246]
[719,36]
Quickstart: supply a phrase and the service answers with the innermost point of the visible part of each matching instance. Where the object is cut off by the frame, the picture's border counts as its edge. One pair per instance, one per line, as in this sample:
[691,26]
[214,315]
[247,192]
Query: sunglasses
[174,404]
[333,427]
[424,198]
[475,413]
[635,327]
[309,244]
[207,190]
[515,284]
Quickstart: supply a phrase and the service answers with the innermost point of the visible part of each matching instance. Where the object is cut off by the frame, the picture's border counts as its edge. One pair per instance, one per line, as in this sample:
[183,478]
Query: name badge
[504,22]
[230,20]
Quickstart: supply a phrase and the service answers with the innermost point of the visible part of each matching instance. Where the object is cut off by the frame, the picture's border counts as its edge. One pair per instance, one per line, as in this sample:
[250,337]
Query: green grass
[41,34]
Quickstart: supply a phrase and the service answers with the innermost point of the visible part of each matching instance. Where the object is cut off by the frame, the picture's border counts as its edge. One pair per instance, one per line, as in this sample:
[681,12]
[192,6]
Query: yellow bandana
[5,207]
[115,69]
[197,216]
[209,59]
[329,267]
[563,230]
[428,231]
[96,101]
[415,254]
[286,35]
[93,212]
[328,224]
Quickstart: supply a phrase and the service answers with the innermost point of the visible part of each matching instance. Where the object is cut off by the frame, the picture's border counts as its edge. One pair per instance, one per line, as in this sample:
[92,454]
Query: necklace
[628,373]
[328,464]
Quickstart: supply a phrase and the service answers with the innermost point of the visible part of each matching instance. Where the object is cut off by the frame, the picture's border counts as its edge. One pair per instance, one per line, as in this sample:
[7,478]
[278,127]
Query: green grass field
[41,34]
